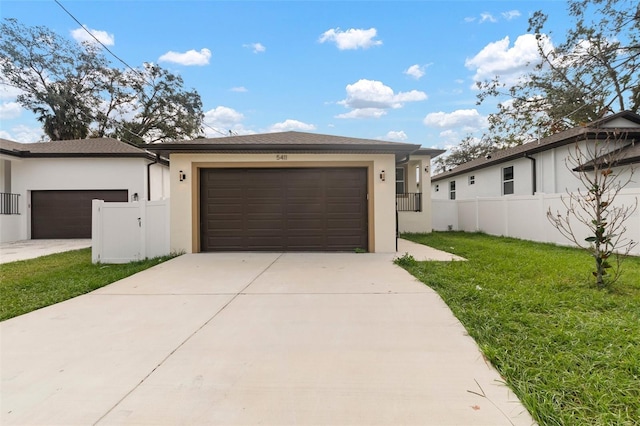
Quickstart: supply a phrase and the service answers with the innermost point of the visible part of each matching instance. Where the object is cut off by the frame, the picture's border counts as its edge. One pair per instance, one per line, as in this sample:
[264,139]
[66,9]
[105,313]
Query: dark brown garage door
[66,214]
[317,209]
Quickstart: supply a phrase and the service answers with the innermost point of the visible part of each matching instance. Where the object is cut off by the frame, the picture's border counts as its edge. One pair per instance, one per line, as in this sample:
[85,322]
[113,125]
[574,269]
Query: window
[472,180]
[452,190]
[437,188]
[400,180]
[507,180]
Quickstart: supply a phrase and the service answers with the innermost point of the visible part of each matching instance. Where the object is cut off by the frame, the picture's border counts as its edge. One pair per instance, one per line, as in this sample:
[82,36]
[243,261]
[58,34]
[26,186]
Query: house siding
[552,176]
[39,174]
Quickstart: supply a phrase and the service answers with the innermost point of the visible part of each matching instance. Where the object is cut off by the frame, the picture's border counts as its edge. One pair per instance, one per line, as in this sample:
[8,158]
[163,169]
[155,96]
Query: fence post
[97,249]
[142,214]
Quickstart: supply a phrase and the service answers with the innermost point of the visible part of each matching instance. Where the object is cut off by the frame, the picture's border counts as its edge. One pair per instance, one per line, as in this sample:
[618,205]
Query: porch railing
[9,203]
[409,202]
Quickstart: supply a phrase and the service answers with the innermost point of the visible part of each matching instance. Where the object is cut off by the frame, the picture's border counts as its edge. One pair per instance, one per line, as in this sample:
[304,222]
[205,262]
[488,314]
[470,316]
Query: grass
[32,284]
[569,351]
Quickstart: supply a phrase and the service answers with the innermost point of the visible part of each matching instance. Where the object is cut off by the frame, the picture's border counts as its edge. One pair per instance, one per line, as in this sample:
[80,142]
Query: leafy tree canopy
[595,70]
[75,94]
[468,149]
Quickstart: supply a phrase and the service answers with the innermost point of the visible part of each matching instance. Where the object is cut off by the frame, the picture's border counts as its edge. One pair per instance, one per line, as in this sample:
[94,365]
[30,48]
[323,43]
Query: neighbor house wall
[552,176]
[185,195]
[36,174]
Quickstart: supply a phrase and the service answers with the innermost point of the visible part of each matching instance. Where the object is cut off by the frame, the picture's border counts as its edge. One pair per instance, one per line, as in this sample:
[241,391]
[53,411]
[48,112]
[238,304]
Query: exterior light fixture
[382,176]
[426,169]
[135,196]
[182,175]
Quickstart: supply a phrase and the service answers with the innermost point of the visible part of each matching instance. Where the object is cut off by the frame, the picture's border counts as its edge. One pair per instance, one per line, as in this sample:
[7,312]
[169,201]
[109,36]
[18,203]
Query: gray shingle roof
[289,142]
[286,138]
[98,147]
[594,130]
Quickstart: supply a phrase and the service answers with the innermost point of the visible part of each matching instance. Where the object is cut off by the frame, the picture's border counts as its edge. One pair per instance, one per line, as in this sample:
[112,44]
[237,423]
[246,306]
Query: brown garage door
[316,209]
[66,214]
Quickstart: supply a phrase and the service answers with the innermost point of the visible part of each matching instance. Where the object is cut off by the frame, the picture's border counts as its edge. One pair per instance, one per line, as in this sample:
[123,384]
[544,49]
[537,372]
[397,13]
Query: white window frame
[506,181]
[472,180]
[452,190]
[403,180]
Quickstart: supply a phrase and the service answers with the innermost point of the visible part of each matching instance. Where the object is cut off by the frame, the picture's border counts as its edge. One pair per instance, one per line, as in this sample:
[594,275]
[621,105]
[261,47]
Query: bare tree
[600,168]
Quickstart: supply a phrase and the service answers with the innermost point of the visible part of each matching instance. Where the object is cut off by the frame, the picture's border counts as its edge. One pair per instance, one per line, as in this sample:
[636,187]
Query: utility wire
[128,66]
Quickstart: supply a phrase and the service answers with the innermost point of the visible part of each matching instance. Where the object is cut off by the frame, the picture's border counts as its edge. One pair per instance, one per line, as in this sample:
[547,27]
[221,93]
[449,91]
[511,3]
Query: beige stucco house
[294,191]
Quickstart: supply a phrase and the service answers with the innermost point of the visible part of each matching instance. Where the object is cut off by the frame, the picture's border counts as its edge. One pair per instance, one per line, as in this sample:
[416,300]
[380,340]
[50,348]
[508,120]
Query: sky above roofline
[390,70]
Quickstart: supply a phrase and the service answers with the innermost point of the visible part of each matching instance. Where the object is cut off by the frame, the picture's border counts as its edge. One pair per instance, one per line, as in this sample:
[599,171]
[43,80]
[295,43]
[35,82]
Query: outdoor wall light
[426,169]
[182,175]
[382,176]
[134,197]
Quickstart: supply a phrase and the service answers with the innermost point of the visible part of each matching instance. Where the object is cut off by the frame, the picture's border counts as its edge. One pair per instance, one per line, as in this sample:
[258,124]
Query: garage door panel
[319,209]
[67,213]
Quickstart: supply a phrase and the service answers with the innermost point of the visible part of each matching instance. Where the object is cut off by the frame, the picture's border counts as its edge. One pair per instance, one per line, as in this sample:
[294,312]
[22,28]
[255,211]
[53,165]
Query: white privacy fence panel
[125,232]
[523,217]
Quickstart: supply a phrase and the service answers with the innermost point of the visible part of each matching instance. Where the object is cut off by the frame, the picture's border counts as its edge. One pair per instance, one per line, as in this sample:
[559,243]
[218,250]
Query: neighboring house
[294,191]
[46,188]
[510,191]
[537,167]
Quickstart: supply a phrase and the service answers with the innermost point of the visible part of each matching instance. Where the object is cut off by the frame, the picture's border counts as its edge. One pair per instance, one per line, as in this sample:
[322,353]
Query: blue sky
[391,70]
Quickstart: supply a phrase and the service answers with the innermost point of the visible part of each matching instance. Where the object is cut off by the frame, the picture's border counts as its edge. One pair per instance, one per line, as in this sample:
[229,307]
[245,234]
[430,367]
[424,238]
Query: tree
[55,76]
[75,93]
[598,168]
[594,71]
[163,109]
[468,149]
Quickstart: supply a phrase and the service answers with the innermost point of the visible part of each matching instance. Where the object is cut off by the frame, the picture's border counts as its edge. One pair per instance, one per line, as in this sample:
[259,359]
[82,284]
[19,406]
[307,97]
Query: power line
[126,65]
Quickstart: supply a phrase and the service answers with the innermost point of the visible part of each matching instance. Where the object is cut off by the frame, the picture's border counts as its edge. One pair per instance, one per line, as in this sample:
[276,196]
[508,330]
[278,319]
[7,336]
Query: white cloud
[82,35]
[10,110]
[352,38]
[370,98]
[470,19]
[500,59]
[24,134]
[256,47]
[396,136]
[289,125]
[363,113]
[223,119]
[487,17]
[511,14]
[239,89]
[416,71]
[467,120]
[191,57]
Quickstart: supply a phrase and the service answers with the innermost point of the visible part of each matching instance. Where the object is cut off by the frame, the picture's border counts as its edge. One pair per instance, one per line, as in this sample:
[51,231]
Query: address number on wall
[281,157]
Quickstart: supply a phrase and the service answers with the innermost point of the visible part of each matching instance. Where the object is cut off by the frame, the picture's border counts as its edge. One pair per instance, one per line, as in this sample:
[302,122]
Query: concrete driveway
[252,338]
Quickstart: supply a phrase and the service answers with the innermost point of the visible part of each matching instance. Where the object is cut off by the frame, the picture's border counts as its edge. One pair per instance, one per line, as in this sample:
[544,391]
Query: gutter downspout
[534,175]
[155,161]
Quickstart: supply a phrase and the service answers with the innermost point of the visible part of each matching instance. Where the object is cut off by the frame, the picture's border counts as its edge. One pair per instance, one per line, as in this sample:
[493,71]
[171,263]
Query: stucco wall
[552,176]
[418,180]
[33,174]
[184,195]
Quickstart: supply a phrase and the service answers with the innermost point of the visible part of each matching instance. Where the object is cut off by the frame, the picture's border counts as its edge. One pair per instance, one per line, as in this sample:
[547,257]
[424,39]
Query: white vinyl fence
[523,217]
[124,232]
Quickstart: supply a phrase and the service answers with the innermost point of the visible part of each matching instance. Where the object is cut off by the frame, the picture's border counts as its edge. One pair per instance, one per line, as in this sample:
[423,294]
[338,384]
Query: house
[294,191]
[510,192]
[46,188]
[538,167]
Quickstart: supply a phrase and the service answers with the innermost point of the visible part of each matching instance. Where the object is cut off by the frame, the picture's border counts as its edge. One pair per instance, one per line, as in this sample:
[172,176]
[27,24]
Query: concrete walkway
[30,249]
[252,338]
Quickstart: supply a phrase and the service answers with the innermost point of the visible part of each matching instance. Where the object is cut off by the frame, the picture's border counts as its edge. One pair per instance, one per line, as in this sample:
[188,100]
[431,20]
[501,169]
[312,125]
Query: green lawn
[28,285]
[571,352]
